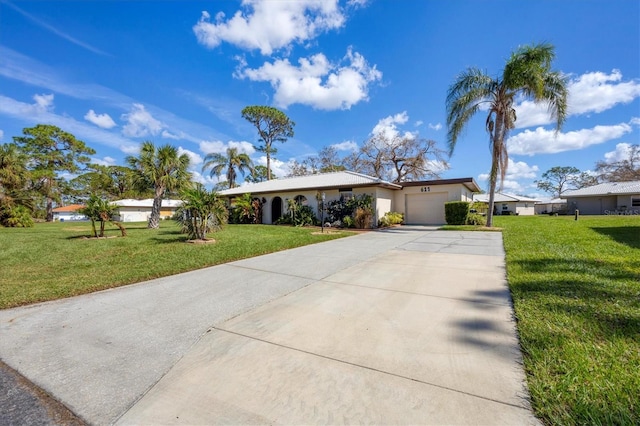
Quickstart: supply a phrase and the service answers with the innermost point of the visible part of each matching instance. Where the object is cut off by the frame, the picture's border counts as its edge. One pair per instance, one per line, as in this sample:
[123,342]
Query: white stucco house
[70,212]
[421,202]
[611,198]
[508,204]
[130,210]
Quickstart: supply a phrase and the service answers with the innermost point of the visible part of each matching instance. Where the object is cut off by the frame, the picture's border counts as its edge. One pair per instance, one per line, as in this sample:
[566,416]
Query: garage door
[425,209]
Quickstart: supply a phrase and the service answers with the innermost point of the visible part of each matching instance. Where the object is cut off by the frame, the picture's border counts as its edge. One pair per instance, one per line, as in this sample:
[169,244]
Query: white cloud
[316,82]
[388,126]
[1,135]
[622,152]
[242,147]
[194,158]
[270,25]
[103,121]
[346,146]
[210,147]
[419,123]
[168,135]
[32,114]
[205,179]
[357,3]
[278,167]
[140,123]
[590,92]
[43,102]
[542,141]
[105,161]
[435,127]
[520,170]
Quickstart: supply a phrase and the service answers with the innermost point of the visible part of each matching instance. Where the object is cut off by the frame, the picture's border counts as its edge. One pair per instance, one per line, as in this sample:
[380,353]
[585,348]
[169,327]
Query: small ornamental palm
[98,210]
[233,162]
[201,212]
[528,74]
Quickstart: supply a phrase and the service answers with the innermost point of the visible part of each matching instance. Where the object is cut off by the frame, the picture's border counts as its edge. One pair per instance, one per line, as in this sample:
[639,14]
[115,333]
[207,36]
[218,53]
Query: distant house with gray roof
[610,198]
[508,204]
[421,202]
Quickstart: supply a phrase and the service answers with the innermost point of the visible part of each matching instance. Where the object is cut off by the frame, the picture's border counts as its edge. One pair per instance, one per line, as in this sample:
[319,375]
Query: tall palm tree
[233,162]
[528,75]
[163,170]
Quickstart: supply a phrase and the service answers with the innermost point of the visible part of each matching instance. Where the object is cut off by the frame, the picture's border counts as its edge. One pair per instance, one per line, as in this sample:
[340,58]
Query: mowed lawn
[54,260]
[576,291]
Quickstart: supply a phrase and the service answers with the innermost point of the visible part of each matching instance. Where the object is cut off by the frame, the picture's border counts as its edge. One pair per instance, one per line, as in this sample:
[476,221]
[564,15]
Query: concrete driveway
[405,326]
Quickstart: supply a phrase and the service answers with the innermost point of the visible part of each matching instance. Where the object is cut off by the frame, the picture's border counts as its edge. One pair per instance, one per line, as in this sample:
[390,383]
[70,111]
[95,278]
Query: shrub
[15,216]
[363,218]
[390,218]
[476,219]
[456,212]
[348,222]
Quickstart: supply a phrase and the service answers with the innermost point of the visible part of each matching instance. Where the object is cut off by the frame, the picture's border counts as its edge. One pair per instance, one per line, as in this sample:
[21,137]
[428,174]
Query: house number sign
[425,189]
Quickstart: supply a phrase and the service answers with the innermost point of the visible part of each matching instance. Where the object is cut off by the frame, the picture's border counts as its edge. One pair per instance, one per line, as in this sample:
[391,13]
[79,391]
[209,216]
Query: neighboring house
[129,210]
[421,202]
[606,198]
[507,204]
[70,212]
[556,205]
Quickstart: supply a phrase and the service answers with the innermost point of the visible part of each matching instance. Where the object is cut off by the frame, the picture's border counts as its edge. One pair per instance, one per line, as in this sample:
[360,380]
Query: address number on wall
[425,189]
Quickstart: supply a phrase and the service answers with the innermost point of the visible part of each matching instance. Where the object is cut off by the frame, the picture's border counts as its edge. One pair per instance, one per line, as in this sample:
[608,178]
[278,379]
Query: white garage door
[425,209]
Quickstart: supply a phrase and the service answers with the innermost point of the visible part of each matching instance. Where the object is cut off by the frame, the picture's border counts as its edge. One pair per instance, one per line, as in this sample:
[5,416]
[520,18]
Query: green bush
[390,219]
[456,212]
[476,219]
[348,222]
[15,217]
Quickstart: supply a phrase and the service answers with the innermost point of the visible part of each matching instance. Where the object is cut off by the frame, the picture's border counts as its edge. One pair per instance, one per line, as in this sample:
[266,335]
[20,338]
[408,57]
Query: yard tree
[233,162]
[162,169]
[526,75]
[259,174]
[15,198]
[111,182]
[559,179]
[273,126]
[624,170]
[52,151]
[201,212]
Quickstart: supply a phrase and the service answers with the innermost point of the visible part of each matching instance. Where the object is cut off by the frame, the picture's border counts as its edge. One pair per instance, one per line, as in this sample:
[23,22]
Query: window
[301,200]
[635,202]
[505,207]
[345,194]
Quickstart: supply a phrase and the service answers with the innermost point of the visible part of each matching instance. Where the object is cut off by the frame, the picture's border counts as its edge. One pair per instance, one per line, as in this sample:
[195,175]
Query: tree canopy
[273,125]
[233,162]
[559,179]
[51,151]
[526,75]
[624,170]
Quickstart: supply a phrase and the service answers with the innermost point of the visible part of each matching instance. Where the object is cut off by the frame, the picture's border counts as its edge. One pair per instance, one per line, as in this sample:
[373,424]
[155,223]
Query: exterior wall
[525,209]
[132,214]
[383,203]
[64,216]
[591,205]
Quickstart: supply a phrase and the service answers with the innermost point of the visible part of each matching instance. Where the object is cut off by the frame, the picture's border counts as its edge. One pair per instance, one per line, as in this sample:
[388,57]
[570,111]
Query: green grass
[576,292]
[53,260]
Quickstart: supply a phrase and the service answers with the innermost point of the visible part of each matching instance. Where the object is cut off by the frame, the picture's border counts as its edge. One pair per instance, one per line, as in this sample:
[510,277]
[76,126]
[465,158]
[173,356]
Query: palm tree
[163,170]
[527,74]
[201,212]
[233,162]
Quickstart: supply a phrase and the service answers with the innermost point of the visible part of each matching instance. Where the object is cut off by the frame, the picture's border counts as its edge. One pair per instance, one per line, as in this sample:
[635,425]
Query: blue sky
[116,73]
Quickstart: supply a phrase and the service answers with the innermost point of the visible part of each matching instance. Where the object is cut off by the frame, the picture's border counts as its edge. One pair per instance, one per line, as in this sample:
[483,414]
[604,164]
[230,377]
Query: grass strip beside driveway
[576,291]
[55,260]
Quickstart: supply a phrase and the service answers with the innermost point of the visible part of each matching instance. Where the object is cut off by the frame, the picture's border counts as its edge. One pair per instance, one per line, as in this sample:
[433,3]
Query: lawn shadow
[628,235]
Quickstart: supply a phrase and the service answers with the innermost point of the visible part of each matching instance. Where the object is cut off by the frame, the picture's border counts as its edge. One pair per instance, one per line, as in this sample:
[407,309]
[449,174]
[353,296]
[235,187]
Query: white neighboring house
[421,202]
[130,210]
[611,198]
[508,204]
[555,205]
[69,212]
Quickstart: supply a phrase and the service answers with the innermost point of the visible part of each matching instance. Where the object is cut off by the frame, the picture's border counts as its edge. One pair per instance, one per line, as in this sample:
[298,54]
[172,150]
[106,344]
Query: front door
[276,209]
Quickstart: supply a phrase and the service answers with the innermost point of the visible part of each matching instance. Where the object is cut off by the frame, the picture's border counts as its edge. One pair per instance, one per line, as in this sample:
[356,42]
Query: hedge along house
[609,198]
[130,210]
[421,202]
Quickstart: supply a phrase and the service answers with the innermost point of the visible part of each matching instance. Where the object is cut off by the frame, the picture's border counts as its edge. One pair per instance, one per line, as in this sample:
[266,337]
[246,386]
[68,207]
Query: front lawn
[576,292]
[53,260]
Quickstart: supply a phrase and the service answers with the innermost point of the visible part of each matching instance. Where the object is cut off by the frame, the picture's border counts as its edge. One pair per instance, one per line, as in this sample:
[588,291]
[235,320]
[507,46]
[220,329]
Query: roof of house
[553,201]
[608,188]
[343,179]
[145,203]
[69,208]
[503,198]
[468,182]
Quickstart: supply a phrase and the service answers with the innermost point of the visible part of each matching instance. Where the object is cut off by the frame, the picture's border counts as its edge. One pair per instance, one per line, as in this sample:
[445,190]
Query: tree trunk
[154,219]
[268,164]
[49,209]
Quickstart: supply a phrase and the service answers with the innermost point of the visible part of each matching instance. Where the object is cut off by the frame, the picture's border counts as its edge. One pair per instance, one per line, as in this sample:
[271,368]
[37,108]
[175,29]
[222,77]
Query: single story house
[606,198]
[70,212]
[555,205]
[507,204]
[421,202]
[130,210]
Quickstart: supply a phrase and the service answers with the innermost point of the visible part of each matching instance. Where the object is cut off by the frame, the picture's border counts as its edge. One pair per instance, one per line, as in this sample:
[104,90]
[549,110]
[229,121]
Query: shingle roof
[319,181]
[503,198]
[608,188]
[69,208]
[145,203]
